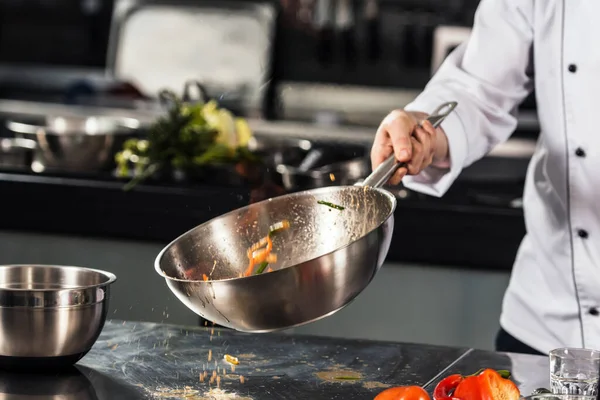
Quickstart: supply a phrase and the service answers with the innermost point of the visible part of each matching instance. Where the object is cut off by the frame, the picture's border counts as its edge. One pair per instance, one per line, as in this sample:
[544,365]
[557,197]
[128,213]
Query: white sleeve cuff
[435,181]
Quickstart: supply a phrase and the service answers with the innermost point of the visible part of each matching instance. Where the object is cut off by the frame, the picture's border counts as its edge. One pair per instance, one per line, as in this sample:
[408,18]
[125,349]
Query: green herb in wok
[331,205]
[261,268]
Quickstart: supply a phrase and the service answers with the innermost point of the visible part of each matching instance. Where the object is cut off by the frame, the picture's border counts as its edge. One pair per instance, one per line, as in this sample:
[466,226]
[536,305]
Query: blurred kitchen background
[312,78]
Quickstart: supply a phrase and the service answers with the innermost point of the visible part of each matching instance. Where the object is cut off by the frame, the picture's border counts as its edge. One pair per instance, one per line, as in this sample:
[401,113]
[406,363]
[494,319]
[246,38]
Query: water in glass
[574,371]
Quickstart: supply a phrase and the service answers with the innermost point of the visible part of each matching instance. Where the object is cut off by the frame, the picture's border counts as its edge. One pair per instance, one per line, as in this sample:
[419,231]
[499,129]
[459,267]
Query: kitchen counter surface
[142,360]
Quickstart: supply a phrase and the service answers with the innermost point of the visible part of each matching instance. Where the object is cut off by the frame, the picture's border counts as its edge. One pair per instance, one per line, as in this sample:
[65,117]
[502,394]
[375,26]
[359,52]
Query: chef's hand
[417,145]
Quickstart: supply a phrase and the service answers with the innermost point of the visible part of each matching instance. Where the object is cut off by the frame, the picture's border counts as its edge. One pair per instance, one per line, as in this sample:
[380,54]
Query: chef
[553,298]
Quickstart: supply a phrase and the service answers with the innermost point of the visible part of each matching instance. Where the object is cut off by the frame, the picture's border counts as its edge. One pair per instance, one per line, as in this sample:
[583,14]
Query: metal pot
[336,174]
[76,143]
[275,151]
[325,166]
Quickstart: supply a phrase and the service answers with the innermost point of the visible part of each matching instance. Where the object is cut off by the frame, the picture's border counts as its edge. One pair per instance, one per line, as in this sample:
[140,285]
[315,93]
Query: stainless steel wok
[326,258]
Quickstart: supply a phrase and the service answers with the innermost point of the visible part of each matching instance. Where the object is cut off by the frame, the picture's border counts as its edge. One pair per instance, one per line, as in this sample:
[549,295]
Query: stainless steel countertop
[136,360]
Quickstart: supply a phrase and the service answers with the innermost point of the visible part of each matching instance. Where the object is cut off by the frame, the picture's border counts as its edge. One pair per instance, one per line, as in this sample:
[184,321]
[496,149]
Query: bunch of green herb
[185,139]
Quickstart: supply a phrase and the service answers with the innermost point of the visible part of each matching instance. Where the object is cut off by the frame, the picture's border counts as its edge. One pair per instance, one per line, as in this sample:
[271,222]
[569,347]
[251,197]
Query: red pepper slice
[445,388]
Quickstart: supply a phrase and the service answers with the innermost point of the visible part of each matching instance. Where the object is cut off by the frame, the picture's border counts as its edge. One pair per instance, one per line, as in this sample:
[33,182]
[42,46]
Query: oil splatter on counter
[153,361]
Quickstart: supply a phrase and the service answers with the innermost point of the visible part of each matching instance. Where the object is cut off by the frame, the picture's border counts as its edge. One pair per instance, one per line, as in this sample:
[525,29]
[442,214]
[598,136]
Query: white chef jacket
[553,296]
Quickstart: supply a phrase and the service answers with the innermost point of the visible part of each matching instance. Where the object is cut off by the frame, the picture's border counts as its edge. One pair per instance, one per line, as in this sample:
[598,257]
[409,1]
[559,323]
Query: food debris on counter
[339,376]
[231,359]
[190,393]
[375,385]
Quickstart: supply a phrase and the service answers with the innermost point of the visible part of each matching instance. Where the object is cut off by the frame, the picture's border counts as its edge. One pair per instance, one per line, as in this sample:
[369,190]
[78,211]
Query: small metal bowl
[76,143]
[50,316]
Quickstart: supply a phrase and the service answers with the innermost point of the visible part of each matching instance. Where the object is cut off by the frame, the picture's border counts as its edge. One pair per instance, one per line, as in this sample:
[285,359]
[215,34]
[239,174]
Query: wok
[326,258]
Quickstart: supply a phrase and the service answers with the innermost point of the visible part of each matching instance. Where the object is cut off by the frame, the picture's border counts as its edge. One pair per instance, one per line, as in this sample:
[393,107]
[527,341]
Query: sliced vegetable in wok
[278,227]
[261,268]
[331,205]
[260,252]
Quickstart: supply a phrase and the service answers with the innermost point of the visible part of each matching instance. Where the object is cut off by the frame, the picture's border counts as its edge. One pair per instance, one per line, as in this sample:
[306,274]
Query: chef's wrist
[441,153]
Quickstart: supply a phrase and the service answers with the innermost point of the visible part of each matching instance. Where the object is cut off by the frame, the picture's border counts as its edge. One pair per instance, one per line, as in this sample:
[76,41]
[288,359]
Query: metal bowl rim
[18,143]
[558,349]
[283,169]
[111,278]
[341,164]
[325,170]
[35,129]
[159,270]
[278,143]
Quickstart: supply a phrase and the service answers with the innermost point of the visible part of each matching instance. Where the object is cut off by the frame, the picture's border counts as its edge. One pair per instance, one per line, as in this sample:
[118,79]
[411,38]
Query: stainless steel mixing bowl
[50,316]
[76,142]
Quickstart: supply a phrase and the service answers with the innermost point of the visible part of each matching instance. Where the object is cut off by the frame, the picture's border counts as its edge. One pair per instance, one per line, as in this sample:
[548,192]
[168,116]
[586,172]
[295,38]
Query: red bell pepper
[445,389]
[403,393]
[488,385]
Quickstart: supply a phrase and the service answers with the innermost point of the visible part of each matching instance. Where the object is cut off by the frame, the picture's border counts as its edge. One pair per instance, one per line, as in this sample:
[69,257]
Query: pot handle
[384,172]
[188,90]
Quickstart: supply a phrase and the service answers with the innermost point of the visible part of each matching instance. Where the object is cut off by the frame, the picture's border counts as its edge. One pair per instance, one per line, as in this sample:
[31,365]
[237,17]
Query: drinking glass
[574,371]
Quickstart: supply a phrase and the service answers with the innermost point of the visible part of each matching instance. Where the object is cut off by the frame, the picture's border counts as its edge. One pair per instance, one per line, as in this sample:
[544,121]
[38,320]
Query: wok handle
[384,172]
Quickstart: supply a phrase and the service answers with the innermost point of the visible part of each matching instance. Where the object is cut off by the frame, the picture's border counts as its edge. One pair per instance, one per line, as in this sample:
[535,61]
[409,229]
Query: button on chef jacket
[554,289]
